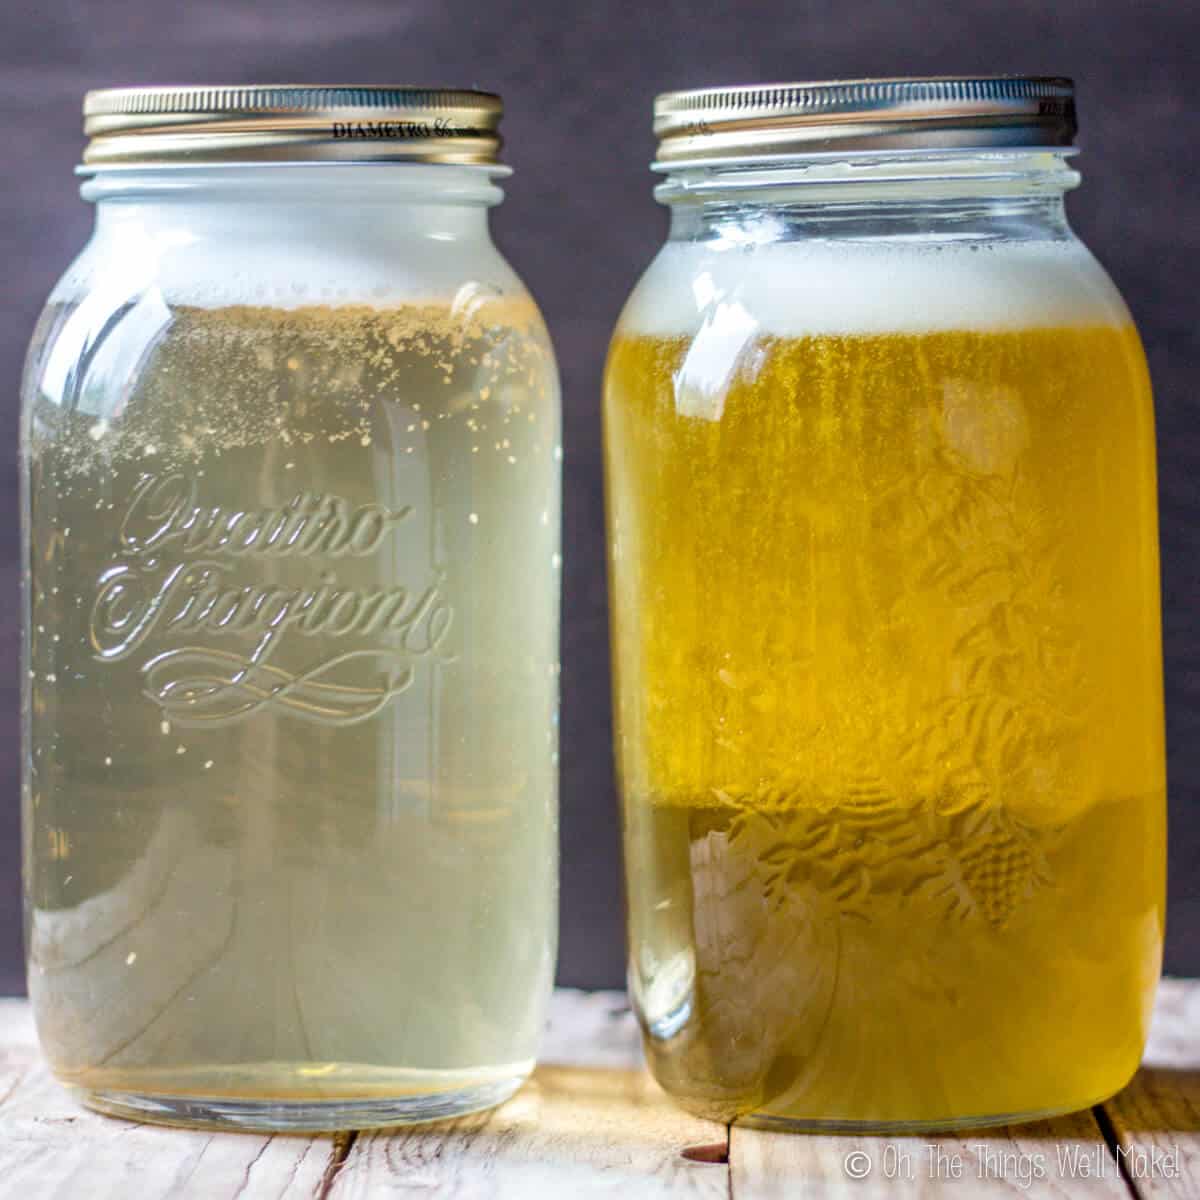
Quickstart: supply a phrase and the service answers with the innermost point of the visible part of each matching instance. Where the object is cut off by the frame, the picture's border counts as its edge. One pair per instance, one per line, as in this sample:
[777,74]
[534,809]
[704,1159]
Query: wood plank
[18,1045]
[1066,1157]
[1156,1119]
[50,1146]
[591,1122]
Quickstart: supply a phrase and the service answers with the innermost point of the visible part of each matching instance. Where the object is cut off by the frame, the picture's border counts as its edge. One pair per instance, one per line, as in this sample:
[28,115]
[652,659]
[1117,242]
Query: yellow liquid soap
[889,711]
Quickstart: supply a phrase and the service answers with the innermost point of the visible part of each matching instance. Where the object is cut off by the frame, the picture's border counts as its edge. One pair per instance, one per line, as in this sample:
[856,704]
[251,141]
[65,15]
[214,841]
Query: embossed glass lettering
[143,596]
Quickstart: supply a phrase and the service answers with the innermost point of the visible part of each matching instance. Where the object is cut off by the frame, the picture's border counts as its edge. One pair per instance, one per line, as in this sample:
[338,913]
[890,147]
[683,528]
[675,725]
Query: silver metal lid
[150,126]
[786,119]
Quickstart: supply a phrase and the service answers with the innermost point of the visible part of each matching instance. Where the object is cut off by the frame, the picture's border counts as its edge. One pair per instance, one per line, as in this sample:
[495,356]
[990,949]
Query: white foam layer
[797,289]
[319,271]
[352,238]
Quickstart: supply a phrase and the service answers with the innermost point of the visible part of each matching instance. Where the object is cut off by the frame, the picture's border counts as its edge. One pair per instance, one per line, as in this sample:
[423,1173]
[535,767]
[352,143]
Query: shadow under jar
[884,578]
[291,482]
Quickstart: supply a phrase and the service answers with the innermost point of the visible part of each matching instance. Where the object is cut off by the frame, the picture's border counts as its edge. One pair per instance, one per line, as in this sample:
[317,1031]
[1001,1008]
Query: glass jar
[884,585]
[291,496]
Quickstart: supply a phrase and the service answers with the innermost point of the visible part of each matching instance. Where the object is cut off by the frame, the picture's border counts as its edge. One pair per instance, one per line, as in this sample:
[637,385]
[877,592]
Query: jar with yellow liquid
[884,584]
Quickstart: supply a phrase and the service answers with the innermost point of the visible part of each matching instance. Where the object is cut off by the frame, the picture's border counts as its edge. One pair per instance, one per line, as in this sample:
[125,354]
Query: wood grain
[591,1122]
[1066,1157]
[50,1146]
[1156,1119]
[18,1047]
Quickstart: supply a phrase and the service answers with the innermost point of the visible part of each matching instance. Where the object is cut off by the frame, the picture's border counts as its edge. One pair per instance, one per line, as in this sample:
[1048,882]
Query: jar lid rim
[264,123]
[930,112]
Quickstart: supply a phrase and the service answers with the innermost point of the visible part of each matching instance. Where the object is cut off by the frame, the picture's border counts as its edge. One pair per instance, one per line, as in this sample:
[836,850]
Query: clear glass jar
[291,484]
[884,585]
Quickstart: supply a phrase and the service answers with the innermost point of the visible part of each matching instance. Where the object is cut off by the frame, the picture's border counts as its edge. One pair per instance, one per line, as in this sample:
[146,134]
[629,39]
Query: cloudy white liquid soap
[292,660]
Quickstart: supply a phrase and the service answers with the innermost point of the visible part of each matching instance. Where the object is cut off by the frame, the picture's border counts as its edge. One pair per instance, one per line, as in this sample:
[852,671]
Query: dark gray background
[580,224]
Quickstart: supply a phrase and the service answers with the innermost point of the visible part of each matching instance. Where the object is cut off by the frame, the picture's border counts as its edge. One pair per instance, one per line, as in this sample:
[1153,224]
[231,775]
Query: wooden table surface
[592,1123]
